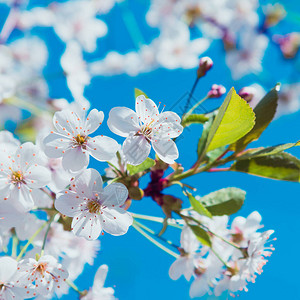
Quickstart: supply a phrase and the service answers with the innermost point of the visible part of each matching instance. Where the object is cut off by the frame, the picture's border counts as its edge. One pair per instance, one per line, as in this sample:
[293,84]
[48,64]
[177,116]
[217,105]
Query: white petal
[166,150]
[87,225]
[100,277]
[136,149]
[66,121]
[93,121]
[69,203]
[146,109]
[114,194]
[55,144]
[122,121]
[22,198]
[37,176]
[116,220]
[75,159]
[199,287]
[177,268]
[8,266]
[253,221]
[27,154]
[222,286]
[102,148]
[88,183]
[167,126]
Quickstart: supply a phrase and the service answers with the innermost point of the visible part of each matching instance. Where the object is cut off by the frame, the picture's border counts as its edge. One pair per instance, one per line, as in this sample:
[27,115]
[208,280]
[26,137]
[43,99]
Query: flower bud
[205,65]
[289,44]
[216,91]
[273,14]
[247,93]
[135,193]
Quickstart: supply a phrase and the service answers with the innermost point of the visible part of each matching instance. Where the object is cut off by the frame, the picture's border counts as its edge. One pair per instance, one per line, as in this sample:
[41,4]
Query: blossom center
[80,139]
[41,268]
[94,206]
[17,177]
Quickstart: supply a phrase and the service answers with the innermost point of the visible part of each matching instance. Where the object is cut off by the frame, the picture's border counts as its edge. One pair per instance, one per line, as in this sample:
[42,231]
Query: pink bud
[205,65]
[247,93]
[216,91]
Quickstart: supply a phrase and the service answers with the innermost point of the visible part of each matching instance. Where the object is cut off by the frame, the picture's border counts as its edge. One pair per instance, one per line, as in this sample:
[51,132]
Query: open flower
[20,174]
[73,143]
[45,274]
[8,289]
[144,127]
[93,208]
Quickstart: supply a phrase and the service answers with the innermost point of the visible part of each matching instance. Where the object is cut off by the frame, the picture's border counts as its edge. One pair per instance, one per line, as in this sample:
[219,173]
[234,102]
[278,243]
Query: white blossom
[144,128]
[20,174]
[93,208]
[72,140]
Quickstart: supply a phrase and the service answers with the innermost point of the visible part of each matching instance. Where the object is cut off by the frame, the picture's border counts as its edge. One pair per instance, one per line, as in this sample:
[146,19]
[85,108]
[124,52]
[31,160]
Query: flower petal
[88,183]
[177,268]
[167,126]
[22,198]
[122,121]
[8,266]
[55,144]
[114,194]
[100,277]
[69,203]
[93,121]
[87,225]
[75,159]
[136,149]
[102,148]
[146,109]
[166,150]
[67,121]
[116,220]
[37,176]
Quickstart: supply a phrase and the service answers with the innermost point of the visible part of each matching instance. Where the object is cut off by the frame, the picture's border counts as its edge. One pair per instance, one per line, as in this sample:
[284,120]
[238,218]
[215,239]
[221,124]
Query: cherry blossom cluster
[237,255]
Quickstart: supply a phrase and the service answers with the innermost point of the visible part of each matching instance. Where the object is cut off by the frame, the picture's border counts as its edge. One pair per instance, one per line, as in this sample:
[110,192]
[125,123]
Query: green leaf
[264,114]
[214,154]
[138,92]
[198,207]
[201,235]
[234,119]
[206,128]
[148,163]
[259,152]
[226,201]
[280,166]
[194,119]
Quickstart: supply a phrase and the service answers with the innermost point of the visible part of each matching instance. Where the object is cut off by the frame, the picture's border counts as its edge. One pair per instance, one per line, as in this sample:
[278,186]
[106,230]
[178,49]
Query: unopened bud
[247,93]
[205,65]
[274,14]
[216,91]
[135,193]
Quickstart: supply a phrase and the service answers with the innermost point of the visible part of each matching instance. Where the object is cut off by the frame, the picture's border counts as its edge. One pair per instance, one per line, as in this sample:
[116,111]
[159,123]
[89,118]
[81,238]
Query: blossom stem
[209,231]
[30,241]
[190,96]
[14,245]
[47,231]
[171,222]
[151,239]
[218,169]
[219,257]
[154,234]
[195,106]
[74,287]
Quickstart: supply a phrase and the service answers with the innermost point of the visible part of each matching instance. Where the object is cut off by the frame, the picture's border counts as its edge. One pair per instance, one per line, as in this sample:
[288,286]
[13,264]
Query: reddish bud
[216,91]
[205,65]
[247,93]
